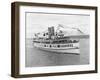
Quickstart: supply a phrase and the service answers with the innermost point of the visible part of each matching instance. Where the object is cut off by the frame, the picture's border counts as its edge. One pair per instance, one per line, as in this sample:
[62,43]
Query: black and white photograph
[56,39]
[52,39]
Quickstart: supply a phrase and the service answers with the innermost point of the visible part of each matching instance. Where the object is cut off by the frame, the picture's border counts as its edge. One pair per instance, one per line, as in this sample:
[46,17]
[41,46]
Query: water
[38,58]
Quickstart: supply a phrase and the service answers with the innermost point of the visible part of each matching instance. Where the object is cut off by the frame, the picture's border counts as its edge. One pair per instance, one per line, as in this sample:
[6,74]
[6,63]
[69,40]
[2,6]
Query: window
[43,34]
[50,46]
[58,45]
[44,45]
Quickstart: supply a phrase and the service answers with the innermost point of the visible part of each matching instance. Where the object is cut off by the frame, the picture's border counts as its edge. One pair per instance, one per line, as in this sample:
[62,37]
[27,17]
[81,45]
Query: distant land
[79,36]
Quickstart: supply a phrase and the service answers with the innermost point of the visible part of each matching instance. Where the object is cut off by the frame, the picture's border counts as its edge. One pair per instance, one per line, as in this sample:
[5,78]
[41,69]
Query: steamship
[58,40]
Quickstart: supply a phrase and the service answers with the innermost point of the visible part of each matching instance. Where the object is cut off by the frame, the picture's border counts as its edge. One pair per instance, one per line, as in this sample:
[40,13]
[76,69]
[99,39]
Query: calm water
[36,58]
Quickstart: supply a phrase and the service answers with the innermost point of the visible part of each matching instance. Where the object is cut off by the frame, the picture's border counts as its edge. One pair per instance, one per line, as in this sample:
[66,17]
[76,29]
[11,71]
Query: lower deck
[57,46]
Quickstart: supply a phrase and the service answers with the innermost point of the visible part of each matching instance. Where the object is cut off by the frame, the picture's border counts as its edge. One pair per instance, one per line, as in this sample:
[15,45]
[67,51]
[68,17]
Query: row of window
[62,41]
[70,45]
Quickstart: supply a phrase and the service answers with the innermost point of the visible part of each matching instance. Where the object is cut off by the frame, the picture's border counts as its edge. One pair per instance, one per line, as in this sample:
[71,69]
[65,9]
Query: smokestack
[51,31]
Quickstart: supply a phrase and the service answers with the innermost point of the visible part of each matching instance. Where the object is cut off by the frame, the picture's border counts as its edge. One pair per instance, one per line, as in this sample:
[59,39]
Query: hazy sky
[38,22]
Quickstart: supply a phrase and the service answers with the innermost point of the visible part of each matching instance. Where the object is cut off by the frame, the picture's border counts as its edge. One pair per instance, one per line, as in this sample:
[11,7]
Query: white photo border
[53,69]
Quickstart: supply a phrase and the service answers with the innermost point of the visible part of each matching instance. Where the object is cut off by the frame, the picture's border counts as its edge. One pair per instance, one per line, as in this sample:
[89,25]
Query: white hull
[68,49]
[65,51]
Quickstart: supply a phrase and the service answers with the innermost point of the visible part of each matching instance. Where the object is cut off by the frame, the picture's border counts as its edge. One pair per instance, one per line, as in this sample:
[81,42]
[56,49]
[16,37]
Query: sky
[38,22]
